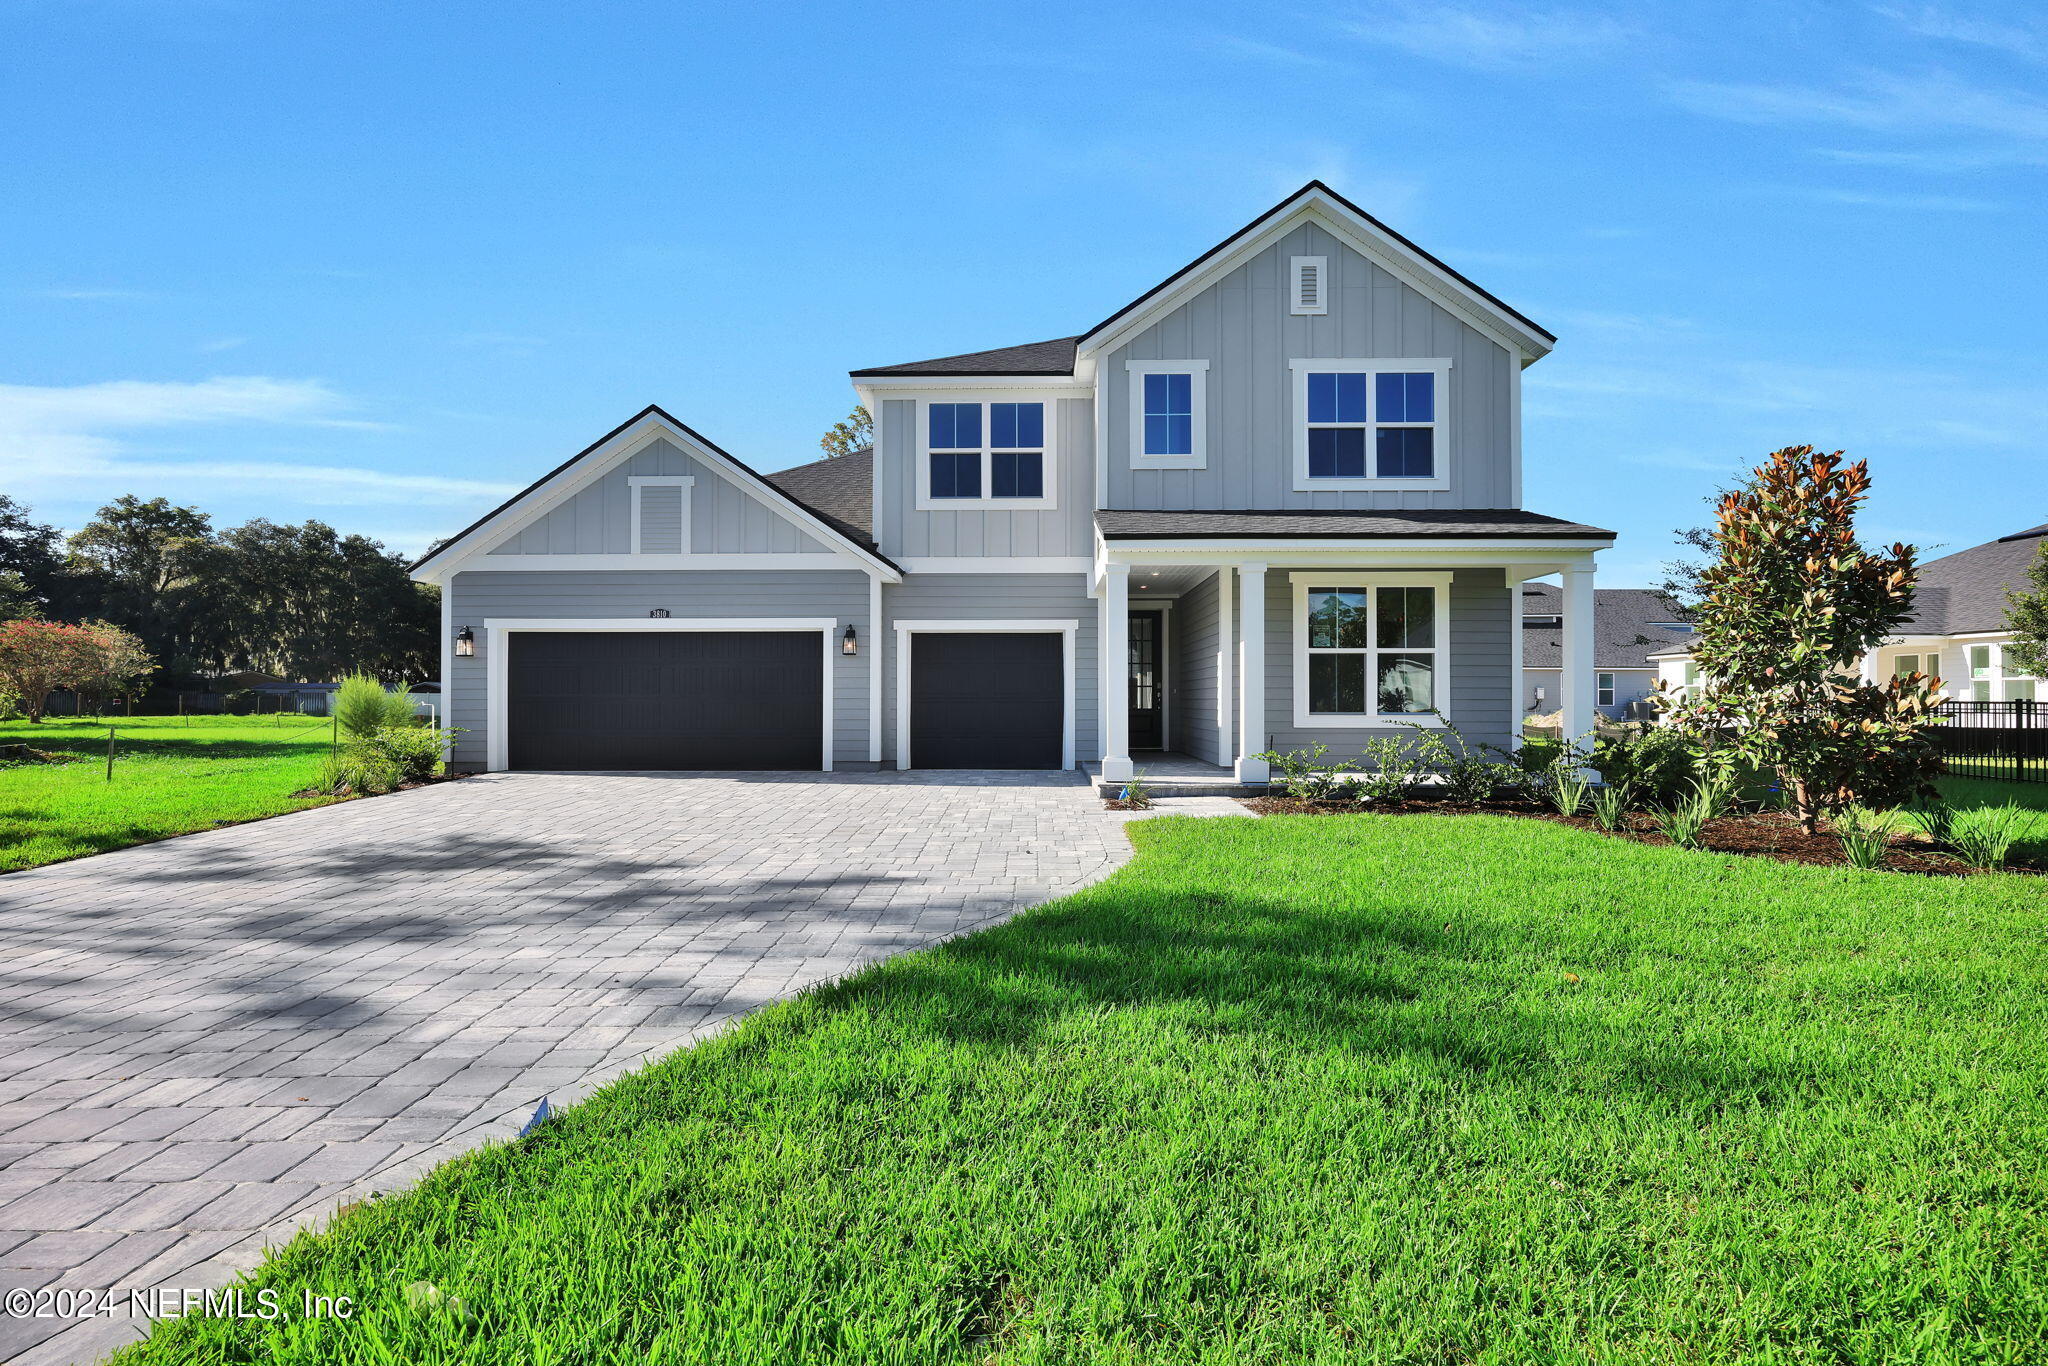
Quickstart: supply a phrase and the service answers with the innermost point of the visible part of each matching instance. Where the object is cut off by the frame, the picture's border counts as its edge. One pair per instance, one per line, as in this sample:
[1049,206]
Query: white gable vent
[661,514]
[1308,285]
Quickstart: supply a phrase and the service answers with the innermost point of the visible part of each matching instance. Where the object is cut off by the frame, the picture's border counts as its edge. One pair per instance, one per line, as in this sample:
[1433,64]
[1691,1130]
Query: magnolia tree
[39,657]
[1788,608]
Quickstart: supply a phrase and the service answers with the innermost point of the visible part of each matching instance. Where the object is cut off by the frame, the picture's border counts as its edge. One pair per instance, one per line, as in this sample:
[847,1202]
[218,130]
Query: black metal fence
[2003,740]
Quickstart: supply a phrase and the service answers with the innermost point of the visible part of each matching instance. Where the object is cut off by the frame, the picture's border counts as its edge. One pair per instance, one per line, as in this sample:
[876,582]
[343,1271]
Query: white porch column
[1226,696]
[1575,682]
[1518,695]
[1115,706]
[1251,690]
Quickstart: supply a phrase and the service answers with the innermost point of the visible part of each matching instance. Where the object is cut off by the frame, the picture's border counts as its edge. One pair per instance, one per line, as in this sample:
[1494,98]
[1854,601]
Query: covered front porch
[1223,641]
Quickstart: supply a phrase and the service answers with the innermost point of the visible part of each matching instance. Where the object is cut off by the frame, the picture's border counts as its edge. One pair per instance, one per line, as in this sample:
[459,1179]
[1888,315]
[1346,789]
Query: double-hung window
[1370,649]
[1371,424]
[1169,414]
[1603,690]
[986,454]
[1979,660]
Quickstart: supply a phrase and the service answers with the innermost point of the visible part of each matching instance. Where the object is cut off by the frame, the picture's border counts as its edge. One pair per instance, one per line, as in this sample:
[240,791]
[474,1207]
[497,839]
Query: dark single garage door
[664,699]
[986,701]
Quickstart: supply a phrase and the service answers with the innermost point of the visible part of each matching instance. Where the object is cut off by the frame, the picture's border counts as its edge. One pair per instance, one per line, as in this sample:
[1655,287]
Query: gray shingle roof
[1966,591]
[1624,630]
[1378,524]
[1054,357]
[840,489]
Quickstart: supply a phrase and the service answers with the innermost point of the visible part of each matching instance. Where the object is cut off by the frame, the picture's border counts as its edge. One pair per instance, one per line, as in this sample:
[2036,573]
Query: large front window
[984,452]
[1369,424]
[1370,649]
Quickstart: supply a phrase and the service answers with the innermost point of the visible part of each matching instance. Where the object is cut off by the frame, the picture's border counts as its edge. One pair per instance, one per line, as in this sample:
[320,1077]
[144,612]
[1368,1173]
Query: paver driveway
[208,1041]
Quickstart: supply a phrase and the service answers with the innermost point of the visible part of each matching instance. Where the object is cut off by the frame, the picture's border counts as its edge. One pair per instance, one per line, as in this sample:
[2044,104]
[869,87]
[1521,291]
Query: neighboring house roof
[1390,248]
[855,536]
[1625,631]
[1965,591]
[839,488]
[1054,357]
[1120,524]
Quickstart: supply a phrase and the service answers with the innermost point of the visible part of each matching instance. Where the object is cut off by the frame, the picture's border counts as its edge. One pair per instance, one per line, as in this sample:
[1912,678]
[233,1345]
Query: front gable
[652,494]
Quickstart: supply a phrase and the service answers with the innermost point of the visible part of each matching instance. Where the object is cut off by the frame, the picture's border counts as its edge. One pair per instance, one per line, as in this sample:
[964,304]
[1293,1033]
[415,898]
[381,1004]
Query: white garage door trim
[906,629]
[497,629]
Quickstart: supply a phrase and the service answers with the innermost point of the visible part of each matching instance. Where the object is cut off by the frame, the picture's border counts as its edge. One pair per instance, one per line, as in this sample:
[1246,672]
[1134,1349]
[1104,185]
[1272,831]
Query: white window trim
[497,661]
[1303,367]
[988,502]
[1067,628]
[1304,719]
[1197,372]
[1322,303]
[1611,687]
[684,482]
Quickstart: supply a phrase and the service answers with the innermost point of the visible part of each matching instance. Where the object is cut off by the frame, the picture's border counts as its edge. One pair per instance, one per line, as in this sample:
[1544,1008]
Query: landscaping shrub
[363,706]
[1566,788]
[1685,822]
[1658,763]
[1464,776]
[1393,772]
[1936,819]
[415,750]
[1862,846]
[1983,838]
[1306,774]
[360,771]
[1611,806]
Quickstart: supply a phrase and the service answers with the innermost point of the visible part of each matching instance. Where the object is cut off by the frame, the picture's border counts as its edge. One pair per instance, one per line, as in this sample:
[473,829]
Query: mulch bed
[402,787]
[1761,834]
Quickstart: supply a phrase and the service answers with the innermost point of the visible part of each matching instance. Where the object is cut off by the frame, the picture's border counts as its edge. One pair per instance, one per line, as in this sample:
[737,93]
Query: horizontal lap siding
[1480,665]
[1192,679]
[841,595]
[996,597]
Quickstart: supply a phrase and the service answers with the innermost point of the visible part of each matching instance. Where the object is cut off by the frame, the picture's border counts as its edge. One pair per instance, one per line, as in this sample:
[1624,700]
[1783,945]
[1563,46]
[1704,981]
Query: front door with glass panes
[1148,676]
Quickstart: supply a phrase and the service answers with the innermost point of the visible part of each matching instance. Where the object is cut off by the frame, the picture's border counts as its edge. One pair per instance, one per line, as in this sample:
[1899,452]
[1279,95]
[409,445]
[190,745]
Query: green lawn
[171,776]
[1305,1089]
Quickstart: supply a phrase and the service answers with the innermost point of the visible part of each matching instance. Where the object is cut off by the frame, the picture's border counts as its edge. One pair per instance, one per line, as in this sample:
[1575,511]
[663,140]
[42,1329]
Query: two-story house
[1274,499]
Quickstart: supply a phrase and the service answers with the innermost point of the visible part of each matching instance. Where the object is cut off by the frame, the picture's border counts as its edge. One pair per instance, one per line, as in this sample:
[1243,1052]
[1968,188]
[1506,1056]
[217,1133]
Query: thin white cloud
[93,295]
[219,344]
[54,439]
[1935,203]
[1251,49]
[1489,39]
[2027,42]
[1879,102]
[1938,160]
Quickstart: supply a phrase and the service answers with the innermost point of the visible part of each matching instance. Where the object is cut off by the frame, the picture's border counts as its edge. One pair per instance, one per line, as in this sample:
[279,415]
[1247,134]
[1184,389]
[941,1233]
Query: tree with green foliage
[31,563]
[2026,612]
[148,558]
[39,657]
[363,706]
[857,433]
[1789,606]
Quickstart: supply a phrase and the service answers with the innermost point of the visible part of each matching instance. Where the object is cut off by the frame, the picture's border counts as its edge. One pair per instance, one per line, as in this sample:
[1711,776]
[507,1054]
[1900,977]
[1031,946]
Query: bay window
[1370,649]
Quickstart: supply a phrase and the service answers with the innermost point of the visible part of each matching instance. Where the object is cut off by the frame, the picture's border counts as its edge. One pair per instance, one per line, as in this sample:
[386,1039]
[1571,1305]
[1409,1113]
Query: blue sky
[382,263]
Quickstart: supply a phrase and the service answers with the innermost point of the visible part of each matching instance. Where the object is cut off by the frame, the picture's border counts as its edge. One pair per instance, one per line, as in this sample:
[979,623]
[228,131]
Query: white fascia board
[1488,551]
[825,560]
[594,465]
[1429,280]
[907,386]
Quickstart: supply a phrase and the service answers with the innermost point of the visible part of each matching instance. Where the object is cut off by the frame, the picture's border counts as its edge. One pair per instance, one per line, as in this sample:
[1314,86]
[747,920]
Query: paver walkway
[208,1042]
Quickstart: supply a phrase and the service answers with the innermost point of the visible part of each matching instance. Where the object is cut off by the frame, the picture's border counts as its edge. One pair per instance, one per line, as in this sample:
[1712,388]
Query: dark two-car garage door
[664,699]
[992,700]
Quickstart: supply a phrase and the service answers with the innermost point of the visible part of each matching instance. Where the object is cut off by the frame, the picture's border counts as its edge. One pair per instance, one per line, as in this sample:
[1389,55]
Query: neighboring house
[1629,625]
[1958,632]
[1275,499]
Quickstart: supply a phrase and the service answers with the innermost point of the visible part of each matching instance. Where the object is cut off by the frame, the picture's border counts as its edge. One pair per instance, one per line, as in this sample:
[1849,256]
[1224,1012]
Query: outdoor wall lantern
[465,642]
[849,644]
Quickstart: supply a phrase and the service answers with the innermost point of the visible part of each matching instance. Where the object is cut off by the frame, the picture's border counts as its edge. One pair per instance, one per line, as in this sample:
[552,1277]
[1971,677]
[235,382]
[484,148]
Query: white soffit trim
[1399,260]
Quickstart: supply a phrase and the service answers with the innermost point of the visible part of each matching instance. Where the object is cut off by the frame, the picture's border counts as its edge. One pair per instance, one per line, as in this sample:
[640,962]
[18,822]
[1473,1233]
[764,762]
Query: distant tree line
[299,602]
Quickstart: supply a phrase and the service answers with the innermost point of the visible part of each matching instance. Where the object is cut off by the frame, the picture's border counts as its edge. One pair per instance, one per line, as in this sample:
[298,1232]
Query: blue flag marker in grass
[540,1117]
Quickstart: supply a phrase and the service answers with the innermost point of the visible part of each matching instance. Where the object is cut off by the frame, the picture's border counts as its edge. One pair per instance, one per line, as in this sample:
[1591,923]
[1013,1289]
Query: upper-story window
[992,454]
[1169,414]
[1371,424]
